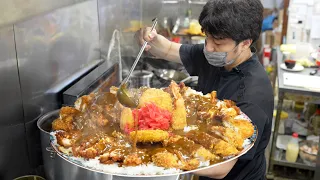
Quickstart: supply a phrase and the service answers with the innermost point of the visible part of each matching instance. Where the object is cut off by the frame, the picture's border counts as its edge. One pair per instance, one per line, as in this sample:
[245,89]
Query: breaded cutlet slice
[241,126]
[229,135]
[165,159]
[215,145]
[149,136]
[66,119]
[171,160]
[190,149]
[84,102]
[202,138]
[224,149]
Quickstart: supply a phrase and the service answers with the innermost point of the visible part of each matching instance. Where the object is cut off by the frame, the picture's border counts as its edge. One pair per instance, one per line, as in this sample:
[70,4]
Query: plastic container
[315,120]
[292,151]
[308,152]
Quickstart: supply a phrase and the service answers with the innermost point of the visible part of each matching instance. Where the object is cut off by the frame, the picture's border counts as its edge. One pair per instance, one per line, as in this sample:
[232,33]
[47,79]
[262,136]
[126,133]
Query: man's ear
[246,44]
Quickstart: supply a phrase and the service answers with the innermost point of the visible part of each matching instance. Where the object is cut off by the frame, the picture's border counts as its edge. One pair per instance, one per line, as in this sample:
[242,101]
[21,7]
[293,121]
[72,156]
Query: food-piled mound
[175,127]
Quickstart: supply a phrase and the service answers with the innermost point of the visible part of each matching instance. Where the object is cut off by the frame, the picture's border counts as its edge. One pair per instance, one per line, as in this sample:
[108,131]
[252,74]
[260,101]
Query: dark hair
[235,19]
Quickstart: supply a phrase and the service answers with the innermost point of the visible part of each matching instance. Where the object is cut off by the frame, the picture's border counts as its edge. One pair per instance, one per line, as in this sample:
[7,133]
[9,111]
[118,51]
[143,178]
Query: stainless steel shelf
[280,160]
[299,165]
[284,90]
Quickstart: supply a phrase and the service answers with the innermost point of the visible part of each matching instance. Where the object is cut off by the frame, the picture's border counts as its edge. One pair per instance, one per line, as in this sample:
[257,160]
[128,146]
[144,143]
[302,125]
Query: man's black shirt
[249,86]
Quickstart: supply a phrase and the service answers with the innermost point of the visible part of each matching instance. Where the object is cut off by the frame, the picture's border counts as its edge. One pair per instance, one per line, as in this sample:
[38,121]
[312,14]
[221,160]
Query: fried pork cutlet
[158,97]
[63,124]
[179,114]
[68,111]
[229,112]
[67,139]
[190,164]
[172,139]
[213,95]
[114,155]
[229,135]
[241,126]
[149,136]
[125,156]
[215,145]
[203,138]
[65,121]
[174,160]
[188,148]
[92,145]
[165,159]
[133,159]
[223,149]
[84,102]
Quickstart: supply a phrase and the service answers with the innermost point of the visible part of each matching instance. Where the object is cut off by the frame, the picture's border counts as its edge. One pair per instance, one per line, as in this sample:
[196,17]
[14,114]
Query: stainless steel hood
[13,11]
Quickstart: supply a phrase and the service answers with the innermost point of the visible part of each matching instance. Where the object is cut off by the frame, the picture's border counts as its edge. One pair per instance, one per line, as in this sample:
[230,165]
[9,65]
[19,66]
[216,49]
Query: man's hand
[158,45]
[145,34]
[218,172]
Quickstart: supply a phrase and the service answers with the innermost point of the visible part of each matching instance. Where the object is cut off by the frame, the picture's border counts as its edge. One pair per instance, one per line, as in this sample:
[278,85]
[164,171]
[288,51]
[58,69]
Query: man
[226,64]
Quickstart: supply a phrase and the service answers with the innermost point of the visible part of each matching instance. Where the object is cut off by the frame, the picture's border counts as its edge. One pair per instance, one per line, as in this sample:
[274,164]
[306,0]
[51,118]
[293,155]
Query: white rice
[149,169]
[246,142]
[204,163]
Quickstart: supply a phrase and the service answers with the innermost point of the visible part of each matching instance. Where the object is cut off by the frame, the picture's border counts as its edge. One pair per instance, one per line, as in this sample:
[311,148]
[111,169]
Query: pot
[56,167]
[167,75]
[170,74]
[29,177]
[140,78]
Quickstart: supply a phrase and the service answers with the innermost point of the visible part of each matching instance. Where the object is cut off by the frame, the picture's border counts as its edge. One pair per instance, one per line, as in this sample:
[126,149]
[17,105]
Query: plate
[145,171]
[296,68]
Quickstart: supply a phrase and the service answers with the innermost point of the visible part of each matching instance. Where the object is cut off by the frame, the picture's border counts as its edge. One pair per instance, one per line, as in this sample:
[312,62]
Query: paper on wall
[315,27]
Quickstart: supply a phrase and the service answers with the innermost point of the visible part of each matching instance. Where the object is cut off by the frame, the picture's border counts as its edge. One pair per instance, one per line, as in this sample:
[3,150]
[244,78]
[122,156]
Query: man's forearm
[218,172]
[162,48]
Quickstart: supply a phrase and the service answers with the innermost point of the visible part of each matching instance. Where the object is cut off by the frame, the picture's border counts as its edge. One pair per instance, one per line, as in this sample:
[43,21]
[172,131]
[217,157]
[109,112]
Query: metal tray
[78,161]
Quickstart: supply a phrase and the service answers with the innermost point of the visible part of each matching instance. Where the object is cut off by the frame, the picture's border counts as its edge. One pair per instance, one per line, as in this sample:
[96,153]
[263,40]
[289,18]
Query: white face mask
[218,59]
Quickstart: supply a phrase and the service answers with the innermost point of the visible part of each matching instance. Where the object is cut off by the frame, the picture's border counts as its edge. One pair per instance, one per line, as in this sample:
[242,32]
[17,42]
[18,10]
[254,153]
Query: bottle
[165,30]
[292,149]
[318,57]
[186,22]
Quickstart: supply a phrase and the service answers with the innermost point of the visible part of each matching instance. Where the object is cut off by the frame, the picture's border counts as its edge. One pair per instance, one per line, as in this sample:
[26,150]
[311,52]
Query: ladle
[123,94]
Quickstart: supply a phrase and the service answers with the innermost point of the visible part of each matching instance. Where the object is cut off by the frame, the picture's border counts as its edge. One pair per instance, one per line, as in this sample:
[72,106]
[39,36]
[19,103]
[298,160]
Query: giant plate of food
[174,130]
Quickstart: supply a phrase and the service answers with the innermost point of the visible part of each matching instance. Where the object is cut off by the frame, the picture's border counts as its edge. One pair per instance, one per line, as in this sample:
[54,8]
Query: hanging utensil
[122,94]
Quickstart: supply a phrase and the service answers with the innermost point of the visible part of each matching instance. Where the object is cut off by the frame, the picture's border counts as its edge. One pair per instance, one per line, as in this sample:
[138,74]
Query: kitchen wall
[42,43]
[13,11]
[13,145]
[37,54]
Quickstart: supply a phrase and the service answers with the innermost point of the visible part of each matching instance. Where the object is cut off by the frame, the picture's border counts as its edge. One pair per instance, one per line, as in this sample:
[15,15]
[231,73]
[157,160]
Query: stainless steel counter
[292,89]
